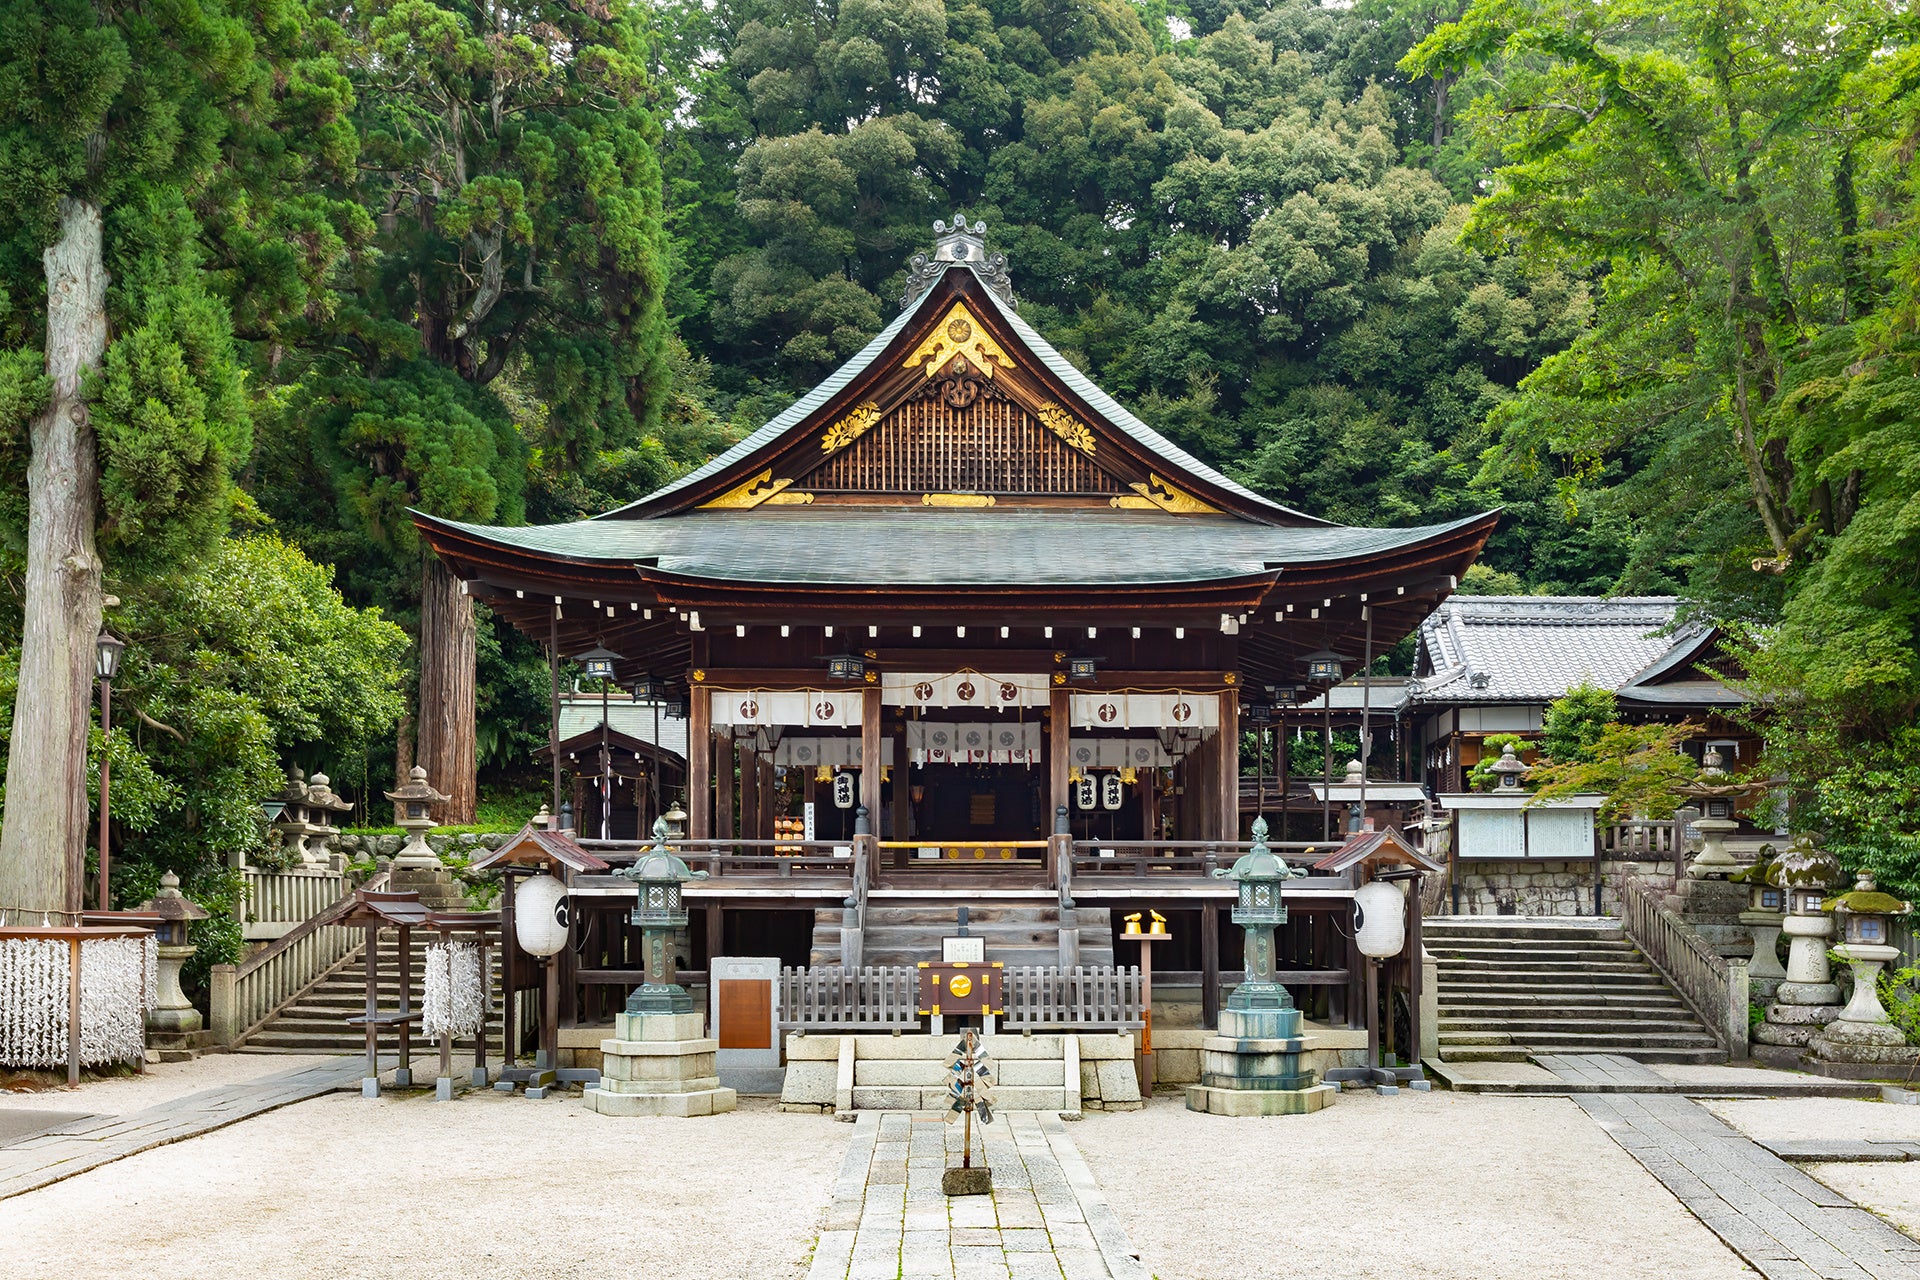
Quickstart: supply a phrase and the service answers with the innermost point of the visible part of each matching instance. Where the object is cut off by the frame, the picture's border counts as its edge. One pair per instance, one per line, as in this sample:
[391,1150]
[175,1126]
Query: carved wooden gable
[961,420]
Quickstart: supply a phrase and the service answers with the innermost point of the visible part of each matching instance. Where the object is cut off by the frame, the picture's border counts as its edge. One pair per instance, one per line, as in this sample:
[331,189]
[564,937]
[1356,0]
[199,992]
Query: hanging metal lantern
[598,662]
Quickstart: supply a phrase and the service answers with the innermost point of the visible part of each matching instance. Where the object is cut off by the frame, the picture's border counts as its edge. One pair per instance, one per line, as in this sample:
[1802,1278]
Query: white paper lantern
[1379,919]
[540,915]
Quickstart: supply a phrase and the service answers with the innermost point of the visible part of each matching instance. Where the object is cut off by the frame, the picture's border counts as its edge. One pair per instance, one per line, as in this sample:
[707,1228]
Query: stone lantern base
[1254,1068]
[659,1064]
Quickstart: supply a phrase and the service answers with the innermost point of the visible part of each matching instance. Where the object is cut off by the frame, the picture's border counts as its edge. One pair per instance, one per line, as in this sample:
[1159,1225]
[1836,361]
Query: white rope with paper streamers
[454,999]
[117,987]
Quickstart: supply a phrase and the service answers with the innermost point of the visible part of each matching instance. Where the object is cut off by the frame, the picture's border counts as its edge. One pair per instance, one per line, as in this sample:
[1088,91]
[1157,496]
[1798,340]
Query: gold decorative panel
[851,427]
[1067,427]
[958,334]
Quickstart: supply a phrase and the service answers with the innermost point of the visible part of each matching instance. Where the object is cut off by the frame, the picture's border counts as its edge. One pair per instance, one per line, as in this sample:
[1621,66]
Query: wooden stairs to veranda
[1515,986]
[316,1020]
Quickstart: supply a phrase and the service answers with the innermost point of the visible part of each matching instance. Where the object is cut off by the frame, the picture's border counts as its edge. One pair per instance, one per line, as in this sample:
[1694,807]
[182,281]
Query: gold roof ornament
[958,334]
[1069,428]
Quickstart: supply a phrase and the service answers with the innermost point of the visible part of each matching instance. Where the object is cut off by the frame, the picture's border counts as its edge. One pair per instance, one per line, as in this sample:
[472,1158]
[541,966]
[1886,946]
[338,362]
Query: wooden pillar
[716,941]
[769,799]
[1060,704]
[1229,765]
[723,767]
[870,758]
[700,763]
[1209,965]
[750,794]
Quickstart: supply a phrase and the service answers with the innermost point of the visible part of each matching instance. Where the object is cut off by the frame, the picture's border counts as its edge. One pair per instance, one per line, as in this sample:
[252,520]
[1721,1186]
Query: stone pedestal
[1764,973]
[1713,862]
[1862,1032]
[437,888]
[659,1064]
[1254,1067]
[1809,998]
[174,1027]
[1712,909]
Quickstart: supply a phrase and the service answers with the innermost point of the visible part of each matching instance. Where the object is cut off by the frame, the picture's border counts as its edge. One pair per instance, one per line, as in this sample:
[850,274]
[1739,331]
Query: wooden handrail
[307,927]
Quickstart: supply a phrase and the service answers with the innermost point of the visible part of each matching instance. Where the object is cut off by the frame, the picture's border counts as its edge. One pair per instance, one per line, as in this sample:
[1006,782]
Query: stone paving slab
[1046,1219]
[1570,1073]
[1839,1150]
[87,1143]
[1781,1221]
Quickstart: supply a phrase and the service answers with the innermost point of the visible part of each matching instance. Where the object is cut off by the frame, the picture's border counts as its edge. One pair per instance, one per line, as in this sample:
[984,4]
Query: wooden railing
[1104,997]
[1716,987]
[884,998]
[274,903]
[1141,858]
[870,998]
[243,996]
[743,857]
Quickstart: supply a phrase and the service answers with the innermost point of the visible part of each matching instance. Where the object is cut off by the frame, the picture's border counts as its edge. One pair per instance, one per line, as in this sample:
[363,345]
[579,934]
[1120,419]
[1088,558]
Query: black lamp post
[651,688]
[598,662]
[107,649]
[1324,669]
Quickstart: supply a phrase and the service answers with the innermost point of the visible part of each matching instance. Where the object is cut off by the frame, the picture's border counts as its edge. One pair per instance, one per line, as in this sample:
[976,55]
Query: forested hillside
[1642,275]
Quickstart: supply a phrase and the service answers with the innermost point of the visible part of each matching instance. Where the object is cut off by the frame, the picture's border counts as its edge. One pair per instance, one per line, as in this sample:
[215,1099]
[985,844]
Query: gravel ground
[1439,1186]
[1811,1119]
[489,1185]
[1890,1190]
[162,1082]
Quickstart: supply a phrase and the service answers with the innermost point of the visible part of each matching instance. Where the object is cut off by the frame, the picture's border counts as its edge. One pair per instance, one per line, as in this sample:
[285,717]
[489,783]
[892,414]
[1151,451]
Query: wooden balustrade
[243,996]
[274,903]
[884,998]
[1083,998]
[1715,986]
[870,998]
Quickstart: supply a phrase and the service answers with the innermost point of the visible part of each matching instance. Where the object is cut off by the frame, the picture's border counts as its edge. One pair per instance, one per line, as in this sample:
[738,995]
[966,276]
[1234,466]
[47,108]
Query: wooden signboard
[742,1012]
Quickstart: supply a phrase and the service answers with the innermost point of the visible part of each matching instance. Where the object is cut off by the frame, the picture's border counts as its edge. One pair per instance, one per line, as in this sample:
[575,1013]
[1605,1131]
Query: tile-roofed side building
[1493,649]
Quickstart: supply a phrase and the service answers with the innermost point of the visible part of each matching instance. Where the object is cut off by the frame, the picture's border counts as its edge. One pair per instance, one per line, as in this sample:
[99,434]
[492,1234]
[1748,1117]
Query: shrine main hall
[957,628]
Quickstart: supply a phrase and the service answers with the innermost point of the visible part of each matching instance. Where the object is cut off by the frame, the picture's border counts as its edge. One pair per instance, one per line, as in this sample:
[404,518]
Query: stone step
[1625,1017]
[1563,997]
[1008,1098]
[317,1042]
[1641,974]
[1502,955]
[1527,1028]
[1583,1041]
[932,1074]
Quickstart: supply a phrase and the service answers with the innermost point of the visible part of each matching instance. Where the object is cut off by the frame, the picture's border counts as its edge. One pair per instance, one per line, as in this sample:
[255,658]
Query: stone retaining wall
[1535,888]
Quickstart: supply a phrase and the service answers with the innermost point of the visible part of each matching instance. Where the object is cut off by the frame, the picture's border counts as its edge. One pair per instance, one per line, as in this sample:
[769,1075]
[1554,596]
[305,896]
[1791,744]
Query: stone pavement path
[1782,1222]
[1605,1072]
[68,1149]
[1046,1217]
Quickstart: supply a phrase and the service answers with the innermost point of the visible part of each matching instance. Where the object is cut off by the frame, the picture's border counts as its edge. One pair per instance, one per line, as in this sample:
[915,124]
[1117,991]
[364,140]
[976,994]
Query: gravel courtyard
[1441,1186]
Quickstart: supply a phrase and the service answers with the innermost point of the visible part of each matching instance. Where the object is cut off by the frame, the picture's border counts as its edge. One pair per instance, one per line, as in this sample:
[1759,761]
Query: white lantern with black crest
[1380,919]
[540,917]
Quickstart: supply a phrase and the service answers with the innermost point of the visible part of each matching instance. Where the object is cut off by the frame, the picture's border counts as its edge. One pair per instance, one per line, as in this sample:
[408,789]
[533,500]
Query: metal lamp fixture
[598,662]
[1082,668]
[1256,712]
[676,708]
[660,911]
[1324,666]
[107,649]
[846,666]
[650,688]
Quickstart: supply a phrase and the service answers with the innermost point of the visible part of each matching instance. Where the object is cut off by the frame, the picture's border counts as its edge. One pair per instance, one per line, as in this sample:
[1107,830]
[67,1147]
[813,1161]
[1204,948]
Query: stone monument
[1253,1067]
[1766,903]
[175,1029]
[659,1061]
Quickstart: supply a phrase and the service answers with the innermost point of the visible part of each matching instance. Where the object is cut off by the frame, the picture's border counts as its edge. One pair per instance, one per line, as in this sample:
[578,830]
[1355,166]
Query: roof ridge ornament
[958,241]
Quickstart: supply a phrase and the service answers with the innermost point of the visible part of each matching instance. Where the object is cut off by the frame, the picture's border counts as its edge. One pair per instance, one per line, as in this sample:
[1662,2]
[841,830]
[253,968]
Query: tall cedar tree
[132,139]
[509,170]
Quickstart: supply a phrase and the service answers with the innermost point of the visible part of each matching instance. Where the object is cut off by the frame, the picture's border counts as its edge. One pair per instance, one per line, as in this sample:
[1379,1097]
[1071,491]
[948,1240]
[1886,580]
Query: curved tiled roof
[1081,385]
[930,546]
[1535,648]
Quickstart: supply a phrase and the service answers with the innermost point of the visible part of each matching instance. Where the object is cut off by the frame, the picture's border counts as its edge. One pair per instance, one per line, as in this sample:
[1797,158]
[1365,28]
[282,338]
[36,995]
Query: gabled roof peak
[957,243]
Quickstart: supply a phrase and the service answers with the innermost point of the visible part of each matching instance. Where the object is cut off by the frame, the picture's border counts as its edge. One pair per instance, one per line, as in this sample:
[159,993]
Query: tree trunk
[43,842]
[447,690]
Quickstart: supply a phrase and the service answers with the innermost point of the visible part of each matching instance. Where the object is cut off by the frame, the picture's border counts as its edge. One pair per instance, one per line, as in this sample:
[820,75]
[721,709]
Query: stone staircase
[1514,986]
[316,1022]
[1029,1072]
[905,931]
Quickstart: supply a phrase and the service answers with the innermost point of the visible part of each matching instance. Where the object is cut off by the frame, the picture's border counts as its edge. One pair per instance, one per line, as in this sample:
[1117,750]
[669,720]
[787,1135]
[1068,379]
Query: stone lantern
[1716,793]
[1766,908]
[413,802]
[1510,769]
[1253,1066]
[174,1026]
[1863,1033]
[676,822]
[322,804]
[289,814]
[659,1061]
[1806,1001]
[660,913]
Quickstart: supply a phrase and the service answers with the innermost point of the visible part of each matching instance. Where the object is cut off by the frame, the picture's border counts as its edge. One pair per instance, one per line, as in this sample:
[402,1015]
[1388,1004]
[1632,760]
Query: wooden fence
[885,998]
[870,998]
[1103,997]
[1716,987]
[275,903]
[243,996]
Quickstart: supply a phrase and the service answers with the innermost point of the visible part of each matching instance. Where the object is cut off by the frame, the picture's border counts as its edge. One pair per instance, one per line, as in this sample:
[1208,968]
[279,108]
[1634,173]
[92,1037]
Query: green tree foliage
[1575,722]
[1639,768]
